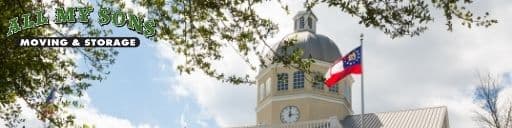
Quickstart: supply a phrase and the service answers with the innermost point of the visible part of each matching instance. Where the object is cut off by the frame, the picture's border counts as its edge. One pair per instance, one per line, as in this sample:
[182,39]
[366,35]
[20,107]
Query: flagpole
[362,83]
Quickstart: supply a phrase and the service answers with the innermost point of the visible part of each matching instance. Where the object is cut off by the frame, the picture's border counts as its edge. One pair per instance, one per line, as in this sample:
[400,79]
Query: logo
[81,14]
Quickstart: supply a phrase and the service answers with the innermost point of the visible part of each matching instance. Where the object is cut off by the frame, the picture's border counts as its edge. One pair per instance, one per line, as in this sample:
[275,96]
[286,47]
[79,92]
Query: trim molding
[269,67]
[302,96]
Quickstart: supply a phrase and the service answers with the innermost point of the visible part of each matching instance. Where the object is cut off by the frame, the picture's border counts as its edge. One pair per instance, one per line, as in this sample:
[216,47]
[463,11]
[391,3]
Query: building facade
[288,97]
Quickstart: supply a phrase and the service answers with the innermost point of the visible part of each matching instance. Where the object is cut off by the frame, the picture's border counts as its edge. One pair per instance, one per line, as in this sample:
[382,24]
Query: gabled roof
[434,117]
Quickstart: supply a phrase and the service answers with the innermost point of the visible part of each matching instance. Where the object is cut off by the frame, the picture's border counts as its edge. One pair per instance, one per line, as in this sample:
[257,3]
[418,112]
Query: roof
[433,117]
[315,46]
[300,13]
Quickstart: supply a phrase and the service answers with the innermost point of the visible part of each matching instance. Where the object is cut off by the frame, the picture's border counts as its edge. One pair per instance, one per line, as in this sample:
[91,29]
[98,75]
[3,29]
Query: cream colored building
[288,97]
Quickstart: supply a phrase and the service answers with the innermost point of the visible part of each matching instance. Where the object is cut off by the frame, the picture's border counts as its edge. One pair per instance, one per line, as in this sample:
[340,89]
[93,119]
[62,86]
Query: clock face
[290,114]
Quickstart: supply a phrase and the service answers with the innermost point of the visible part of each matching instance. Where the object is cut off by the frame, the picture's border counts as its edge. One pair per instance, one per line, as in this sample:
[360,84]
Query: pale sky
[436,68]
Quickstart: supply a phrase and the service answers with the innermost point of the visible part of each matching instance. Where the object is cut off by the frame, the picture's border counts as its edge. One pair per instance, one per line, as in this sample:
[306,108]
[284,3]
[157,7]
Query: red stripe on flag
[355,69]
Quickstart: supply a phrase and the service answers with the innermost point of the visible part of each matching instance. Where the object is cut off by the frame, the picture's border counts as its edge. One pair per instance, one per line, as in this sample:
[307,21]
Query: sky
[437,68]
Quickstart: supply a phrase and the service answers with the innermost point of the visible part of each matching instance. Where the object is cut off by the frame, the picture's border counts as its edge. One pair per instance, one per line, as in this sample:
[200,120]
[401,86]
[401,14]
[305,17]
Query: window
[310,23]
[301,22]
[318,84]
[261,91]
[347,93]
[282,81]
[295,24]
[334,89]
[298,79]
[268,87]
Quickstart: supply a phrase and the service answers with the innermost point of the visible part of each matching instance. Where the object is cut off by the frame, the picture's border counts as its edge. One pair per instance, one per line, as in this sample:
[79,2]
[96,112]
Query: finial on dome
[305,21]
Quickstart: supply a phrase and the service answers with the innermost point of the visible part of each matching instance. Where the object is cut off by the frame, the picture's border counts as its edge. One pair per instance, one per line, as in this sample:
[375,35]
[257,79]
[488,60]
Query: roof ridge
[405,110]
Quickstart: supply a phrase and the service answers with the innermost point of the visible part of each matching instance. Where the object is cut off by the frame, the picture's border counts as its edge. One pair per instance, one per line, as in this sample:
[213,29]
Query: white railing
[332,122]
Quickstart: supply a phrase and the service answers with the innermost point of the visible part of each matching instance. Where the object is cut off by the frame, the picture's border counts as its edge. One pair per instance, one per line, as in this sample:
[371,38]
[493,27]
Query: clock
[290,114]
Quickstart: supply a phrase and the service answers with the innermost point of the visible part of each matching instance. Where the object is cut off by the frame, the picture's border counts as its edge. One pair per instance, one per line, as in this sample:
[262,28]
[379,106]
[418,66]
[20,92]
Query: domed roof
[315,46]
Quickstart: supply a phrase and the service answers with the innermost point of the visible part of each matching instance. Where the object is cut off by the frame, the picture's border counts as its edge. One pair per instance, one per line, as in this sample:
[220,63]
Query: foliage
[397,18]
[27,74]
[198,29]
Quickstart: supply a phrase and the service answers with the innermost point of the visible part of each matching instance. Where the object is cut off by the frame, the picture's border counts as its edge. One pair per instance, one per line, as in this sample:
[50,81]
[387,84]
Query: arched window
[334,89]
[298,79]
[301,22]
[310,23]
[282,81]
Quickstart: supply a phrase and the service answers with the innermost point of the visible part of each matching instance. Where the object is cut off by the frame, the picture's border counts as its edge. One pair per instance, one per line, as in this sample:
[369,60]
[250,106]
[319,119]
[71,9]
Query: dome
[315,46]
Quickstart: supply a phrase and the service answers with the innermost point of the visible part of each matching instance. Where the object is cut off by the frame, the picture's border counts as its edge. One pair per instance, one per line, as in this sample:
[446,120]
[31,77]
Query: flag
[348,64]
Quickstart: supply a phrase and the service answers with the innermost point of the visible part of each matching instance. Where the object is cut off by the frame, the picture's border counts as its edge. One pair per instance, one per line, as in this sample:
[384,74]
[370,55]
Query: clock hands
[289,114]
[290,111]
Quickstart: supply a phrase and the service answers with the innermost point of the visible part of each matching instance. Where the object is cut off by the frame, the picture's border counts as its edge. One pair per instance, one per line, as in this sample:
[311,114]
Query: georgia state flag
[348,64]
